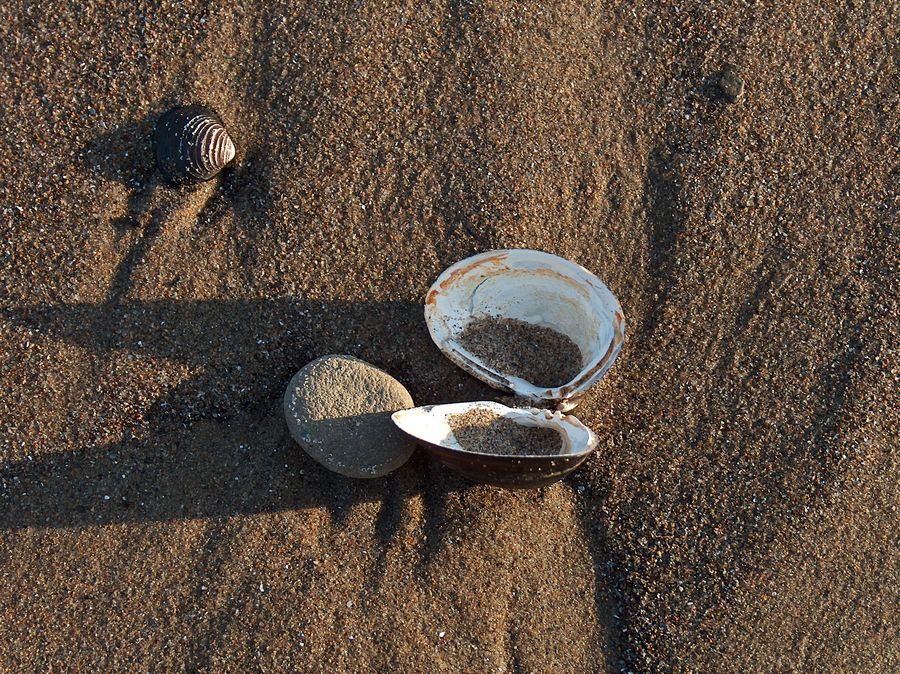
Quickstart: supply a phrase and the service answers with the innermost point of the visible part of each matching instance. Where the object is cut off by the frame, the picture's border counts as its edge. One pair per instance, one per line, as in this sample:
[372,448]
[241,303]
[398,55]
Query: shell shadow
[124,155]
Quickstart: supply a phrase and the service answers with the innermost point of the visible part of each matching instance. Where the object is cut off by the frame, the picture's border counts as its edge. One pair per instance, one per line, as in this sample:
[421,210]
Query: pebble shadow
[216,445]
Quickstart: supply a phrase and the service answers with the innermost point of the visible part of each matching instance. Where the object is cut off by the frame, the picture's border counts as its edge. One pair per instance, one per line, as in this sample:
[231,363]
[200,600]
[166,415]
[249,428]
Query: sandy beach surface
[741,512]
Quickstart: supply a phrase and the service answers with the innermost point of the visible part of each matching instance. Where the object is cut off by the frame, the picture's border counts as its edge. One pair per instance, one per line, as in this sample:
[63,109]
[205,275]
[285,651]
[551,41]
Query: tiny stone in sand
[338,408]
[487,432]
[541,356]
[731,86]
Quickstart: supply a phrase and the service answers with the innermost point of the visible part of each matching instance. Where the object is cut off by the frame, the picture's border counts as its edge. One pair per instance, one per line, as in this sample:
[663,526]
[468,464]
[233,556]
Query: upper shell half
[192,145]
[537,288]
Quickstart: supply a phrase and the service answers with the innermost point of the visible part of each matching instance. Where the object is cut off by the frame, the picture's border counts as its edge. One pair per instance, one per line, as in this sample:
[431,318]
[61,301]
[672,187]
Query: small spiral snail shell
[191,145]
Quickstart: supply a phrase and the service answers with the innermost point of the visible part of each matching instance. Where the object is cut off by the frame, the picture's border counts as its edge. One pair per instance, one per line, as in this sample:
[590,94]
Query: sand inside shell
[539,355]
[487,432]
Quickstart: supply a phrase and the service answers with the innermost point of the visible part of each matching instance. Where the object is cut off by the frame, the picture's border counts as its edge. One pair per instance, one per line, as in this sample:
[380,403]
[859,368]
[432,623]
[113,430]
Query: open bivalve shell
[539,289]
[431,427]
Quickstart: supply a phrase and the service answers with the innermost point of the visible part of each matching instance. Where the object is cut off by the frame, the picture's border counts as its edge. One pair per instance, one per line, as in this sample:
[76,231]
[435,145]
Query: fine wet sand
[741,511]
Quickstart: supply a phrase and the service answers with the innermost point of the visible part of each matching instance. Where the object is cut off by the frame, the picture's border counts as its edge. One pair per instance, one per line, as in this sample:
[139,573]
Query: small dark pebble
[730,85]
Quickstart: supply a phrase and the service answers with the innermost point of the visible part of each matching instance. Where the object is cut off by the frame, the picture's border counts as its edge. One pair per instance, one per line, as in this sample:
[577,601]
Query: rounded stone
[338,409]
[731,86]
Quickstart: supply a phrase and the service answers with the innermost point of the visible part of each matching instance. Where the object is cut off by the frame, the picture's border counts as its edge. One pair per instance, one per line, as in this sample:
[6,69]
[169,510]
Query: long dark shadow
[609,577]
[217,444]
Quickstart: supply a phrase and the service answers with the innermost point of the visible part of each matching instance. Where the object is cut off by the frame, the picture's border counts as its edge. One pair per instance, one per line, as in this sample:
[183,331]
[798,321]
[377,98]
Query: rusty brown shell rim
[530,473]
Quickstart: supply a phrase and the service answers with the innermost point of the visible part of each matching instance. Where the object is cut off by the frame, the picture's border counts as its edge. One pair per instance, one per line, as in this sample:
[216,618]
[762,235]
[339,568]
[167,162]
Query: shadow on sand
[217,444]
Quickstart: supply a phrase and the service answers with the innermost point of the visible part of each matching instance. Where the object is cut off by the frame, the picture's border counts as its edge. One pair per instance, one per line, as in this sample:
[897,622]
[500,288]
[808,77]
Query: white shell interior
[430,425]
[537,288]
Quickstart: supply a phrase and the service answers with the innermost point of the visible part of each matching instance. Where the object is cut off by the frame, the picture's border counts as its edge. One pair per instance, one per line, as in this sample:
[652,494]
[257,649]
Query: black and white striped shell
[191,145]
